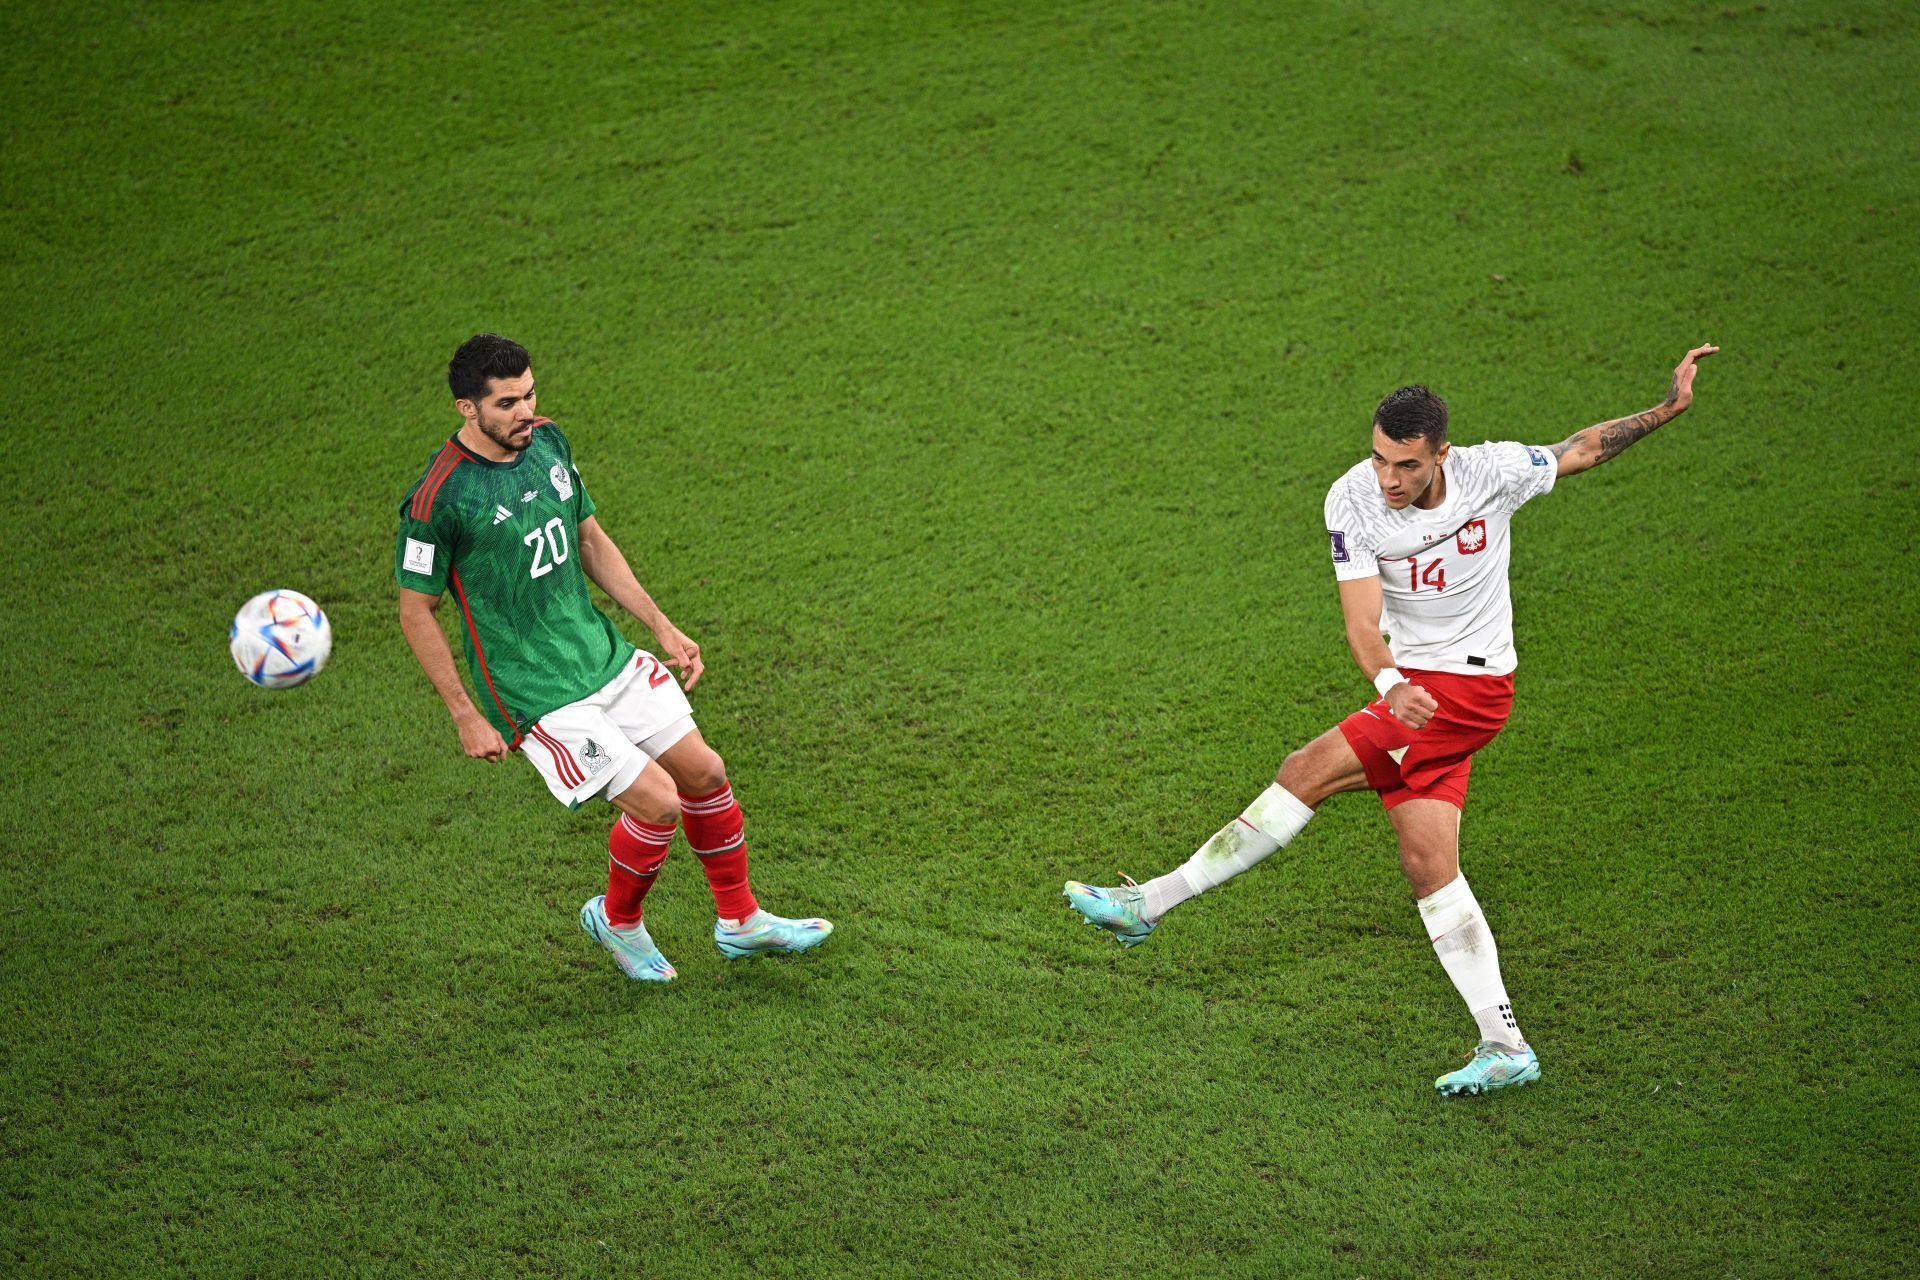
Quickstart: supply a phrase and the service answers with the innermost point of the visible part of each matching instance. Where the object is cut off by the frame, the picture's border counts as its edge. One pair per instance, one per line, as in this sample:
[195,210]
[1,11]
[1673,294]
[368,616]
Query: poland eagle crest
[1472,539]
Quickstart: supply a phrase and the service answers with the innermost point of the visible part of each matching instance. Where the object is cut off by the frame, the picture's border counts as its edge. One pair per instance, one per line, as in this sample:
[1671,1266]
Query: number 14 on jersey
[1435,575]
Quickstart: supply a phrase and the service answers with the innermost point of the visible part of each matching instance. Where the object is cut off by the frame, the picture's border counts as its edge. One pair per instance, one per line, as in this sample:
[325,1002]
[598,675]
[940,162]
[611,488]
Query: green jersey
[505,535]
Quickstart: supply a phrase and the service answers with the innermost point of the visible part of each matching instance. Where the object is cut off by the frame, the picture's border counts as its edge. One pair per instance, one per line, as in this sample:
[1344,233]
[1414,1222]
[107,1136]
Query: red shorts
[1438,756]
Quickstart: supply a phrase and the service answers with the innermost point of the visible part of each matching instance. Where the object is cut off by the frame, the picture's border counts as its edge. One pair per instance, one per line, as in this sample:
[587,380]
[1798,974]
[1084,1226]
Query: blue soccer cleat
[632,948]
[1494,1066]
[1117,910]
[764,933]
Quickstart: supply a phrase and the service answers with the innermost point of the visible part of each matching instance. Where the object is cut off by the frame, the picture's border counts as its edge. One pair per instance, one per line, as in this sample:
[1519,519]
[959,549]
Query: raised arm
[1360,605]
[1584,450]
[607,565]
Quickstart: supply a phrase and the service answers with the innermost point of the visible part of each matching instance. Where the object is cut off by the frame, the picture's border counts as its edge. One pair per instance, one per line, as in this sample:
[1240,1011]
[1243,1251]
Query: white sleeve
[1352,545]
[1526,471]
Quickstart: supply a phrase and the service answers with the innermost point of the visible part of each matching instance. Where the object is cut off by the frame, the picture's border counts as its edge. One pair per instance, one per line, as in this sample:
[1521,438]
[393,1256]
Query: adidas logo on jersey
[501,513]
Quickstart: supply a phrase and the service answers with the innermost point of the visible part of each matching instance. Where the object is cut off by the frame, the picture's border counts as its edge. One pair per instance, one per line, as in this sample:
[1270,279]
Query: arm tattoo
[1605,441]
[1615,436]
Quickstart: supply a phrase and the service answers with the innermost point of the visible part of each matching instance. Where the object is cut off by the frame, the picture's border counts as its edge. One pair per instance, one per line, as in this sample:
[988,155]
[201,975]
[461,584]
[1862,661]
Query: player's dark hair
[484,356]
[1413,412]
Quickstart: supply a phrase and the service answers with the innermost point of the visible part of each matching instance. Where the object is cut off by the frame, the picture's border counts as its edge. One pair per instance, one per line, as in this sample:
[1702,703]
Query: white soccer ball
[280,639]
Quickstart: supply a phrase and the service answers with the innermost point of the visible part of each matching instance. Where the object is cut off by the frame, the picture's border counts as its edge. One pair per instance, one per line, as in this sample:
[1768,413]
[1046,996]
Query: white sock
[1274,818]
[1466,949]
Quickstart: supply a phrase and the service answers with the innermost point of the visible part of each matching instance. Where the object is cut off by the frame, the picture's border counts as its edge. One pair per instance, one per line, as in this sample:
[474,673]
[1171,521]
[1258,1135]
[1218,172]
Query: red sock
[637,849]
[717,833]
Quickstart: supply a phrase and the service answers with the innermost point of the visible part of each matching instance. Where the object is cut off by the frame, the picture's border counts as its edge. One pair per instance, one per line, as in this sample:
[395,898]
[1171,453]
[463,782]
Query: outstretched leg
[1324,767]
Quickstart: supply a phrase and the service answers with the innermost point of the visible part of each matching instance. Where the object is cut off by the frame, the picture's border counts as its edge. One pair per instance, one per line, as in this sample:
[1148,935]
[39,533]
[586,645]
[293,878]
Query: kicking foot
[1494,1066]
[632,949]
[1117,910]
[763,932]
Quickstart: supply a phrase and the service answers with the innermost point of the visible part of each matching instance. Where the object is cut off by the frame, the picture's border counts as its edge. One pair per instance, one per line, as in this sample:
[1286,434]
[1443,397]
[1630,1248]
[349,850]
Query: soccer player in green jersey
[501,516]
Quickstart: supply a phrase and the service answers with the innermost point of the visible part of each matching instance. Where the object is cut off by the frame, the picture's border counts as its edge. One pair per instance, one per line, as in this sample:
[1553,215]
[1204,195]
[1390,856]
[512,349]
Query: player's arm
[607,566]
[1584,450]
[1360,604]
[478,738]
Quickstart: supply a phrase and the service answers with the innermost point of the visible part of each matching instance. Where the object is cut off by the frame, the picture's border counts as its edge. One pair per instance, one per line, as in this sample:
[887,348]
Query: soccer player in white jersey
[1420,538]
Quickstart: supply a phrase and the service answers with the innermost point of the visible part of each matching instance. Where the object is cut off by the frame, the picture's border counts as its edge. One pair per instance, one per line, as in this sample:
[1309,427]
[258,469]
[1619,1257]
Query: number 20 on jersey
[549,543]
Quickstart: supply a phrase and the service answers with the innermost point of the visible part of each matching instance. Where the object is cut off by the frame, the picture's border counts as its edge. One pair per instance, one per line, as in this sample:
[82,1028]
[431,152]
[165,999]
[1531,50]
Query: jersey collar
[471,456]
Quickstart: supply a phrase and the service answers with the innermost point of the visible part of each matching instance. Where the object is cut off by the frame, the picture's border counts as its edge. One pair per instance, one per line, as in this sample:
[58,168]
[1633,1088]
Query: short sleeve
[423,554]
[583,505]
[585,499]
[1352,546]
[1525,472]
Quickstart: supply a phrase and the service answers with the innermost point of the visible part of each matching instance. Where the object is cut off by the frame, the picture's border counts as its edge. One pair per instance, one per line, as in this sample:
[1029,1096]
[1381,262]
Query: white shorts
[602,742]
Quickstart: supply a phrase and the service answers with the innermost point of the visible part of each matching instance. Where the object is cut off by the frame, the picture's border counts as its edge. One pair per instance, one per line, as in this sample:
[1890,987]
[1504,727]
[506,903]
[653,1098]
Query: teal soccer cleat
[1117,910]
[632,948]
[764,933]
[1494,1066]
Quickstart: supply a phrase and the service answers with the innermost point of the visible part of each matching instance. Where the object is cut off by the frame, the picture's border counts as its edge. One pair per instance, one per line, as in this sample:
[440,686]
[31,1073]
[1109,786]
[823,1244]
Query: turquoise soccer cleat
[1494,1066]
[1117,910]
[632,948]
[764,933]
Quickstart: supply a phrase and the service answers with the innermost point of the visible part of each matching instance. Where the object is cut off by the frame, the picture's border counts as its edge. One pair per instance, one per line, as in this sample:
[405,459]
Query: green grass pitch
[967,379]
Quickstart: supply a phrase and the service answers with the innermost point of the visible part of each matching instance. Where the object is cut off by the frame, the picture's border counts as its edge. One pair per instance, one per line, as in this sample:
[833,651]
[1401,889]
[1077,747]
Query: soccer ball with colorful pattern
[280,639]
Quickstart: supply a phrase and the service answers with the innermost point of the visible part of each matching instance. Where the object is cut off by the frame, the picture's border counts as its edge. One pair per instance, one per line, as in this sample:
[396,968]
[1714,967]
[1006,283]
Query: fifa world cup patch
[1539,458]
[562,481]
[1340,555]
[419,557]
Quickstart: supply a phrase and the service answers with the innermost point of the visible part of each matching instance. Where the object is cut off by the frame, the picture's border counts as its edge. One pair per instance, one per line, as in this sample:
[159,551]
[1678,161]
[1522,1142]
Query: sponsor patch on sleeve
[1539,458]
[1340,553]
[419,557]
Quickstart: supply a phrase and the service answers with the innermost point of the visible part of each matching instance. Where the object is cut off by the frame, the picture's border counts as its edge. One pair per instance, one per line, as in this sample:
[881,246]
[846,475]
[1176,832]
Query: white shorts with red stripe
[602,742]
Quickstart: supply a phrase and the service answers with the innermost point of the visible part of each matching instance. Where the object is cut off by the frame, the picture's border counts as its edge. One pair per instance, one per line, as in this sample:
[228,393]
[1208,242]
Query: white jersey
[1443,572]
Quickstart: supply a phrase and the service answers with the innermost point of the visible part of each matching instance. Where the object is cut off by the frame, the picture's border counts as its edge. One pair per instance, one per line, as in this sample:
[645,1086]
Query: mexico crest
[562,481]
